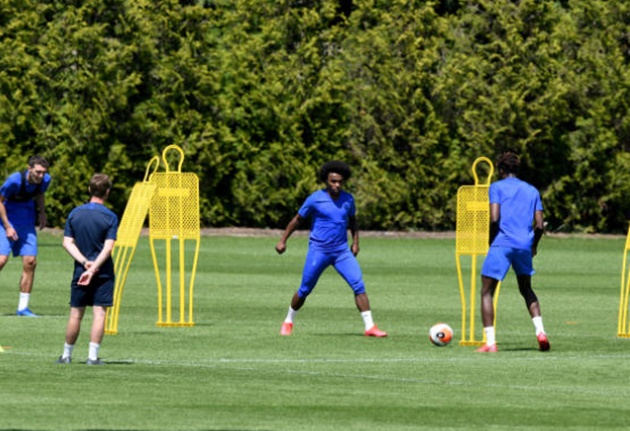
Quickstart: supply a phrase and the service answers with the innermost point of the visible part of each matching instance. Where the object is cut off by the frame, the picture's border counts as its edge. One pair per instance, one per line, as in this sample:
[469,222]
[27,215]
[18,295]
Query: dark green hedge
[259,93]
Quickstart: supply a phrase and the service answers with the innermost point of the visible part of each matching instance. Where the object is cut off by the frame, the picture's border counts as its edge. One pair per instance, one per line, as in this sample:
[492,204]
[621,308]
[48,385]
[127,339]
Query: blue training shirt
[519,201]
[329,227]
[90,225]
[21,213]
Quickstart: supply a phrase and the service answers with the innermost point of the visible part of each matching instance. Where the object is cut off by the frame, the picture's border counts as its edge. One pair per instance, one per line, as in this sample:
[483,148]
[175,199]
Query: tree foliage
[259,93]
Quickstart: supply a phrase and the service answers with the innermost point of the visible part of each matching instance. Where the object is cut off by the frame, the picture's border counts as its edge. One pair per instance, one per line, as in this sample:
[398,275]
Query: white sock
[93,353]
[290,315]
[67,350]
[24,297]
[538,324]
[367,319]
[490,337]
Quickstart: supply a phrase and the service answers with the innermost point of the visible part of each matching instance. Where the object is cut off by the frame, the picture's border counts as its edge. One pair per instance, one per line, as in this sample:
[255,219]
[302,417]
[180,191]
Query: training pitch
[233,371]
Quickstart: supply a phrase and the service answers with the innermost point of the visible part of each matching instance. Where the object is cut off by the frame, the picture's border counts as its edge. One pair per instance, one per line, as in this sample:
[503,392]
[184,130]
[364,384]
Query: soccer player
[89,237]
[21,207]
[332,212]
[516,227]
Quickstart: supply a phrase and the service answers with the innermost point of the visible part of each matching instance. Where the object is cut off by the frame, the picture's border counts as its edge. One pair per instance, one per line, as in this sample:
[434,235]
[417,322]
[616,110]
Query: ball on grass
[441,334]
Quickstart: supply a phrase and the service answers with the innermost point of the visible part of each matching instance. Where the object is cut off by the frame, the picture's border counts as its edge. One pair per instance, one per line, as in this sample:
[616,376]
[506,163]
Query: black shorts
[100,292]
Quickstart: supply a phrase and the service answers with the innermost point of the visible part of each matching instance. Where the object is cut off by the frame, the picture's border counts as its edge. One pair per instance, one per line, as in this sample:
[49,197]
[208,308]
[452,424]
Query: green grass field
[232,371]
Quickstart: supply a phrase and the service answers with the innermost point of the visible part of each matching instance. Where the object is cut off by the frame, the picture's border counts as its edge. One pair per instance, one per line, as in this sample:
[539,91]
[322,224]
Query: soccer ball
[441,334]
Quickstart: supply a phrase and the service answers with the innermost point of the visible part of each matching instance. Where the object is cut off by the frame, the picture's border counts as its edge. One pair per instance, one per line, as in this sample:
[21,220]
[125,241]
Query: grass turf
[232,371]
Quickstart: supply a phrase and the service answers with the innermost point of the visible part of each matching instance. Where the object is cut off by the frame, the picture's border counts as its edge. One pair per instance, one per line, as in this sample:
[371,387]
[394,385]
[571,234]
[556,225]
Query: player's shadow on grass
[81,363]
[204,323]
[342,334]
[32,318]
[518,349]
[115,363]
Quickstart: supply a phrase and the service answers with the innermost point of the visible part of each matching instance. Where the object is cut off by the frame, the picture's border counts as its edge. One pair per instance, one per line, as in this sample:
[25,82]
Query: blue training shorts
[100,292]
[344,262]
[26,244]
[499,259]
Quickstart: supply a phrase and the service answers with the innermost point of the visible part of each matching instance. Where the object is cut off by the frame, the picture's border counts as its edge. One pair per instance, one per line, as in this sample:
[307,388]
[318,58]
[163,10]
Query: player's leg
[98,324]
[79,299]
[5,250]
[523,266]
[29,263]
[96,335]
[528,294]
[488,288]
[314,265]
[26,247]
[73,328]
[533,307]
[74,324]
[103,298]
[3,260]
[5,247]
[494,269]
[348,267]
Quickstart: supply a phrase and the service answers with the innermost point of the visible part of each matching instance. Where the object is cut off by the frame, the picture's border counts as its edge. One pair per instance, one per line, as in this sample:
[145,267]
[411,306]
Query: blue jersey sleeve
[11,186]
[306,210]
[46,182]
[352,210]
[112,232]
[494,194]
[67,231]
[539,205]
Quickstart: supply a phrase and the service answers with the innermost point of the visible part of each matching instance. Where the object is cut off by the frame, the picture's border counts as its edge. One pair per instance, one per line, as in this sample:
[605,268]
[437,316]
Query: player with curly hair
[514,205]
[332,211]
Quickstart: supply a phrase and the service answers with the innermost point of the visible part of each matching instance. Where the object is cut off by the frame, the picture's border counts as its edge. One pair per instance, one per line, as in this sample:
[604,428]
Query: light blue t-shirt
[519,201]
[329,227]
[21,213]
